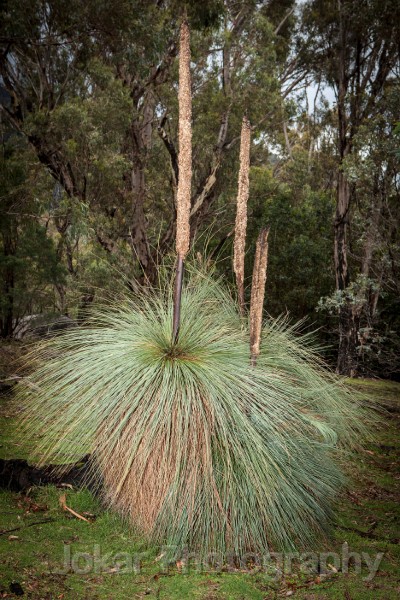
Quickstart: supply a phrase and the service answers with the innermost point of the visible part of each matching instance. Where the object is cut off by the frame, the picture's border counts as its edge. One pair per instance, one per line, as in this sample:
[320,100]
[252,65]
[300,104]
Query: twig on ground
[5,531]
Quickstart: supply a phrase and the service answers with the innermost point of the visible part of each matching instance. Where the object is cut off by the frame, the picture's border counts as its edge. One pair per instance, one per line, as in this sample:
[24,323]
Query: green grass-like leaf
[195,446]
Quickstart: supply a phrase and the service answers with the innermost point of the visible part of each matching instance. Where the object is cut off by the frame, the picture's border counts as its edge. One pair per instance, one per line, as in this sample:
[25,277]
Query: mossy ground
[33,554]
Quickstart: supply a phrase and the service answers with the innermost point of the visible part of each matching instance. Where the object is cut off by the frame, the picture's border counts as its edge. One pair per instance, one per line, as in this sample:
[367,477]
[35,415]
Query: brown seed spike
[241,211]
[185,146]
[257,293]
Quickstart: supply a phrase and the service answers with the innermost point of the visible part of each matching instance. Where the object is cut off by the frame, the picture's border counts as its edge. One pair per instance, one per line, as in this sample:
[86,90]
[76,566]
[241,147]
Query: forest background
[89,171]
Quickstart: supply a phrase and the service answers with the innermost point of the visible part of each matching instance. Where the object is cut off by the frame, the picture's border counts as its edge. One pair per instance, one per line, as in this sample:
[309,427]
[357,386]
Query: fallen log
[18,475]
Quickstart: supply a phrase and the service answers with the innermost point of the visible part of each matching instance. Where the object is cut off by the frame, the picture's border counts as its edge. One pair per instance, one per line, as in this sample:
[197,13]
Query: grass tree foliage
[194,445]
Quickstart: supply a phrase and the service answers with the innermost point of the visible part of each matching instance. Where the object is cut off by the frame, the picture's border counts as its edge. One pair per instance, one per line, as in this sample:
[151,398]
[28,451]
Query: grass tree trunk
[185,171]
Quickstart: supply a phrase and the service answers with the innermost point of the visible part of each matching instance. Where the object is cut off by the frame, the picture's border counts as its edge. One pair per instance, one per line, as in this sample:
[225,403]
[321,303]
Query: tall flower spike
[185,146]
[257,293]
[241,211]
[185,172]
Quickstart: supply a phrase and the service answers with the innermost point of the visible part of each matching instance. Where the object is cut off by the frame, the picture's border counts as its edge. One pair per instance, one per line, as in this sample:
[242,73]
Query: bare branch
[285,18]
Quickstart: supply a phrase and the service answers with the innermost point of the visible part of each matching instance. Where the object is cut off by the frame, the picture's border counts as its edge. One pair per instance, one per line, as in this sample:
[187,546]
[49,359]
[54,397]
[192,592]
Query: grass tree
[194,445]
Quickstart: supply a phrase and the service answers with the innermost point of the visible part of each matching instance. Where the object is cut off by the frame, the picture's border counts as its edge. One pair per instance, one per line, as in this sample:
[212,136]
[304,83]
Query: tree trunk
[18,475]
[347,353]
[348,328]
[347,363]
[141,139]
[341,223]
[8,288]
[139,242]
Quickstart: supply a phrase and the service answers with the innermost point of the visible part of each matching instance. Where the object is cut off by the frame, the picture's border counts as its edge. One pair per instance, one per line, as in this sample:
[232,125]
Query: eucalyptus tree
[29,265]
[93,87]
[352,46]
[374,168]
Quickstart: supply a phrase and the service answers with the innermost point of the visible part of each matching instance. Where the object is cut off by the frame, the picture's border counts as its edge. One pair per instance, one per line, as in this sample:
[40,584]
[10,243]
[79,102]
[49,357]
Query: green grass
[370,505]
